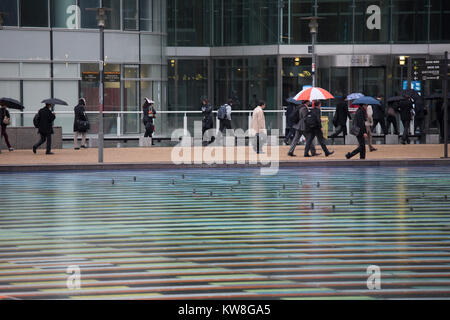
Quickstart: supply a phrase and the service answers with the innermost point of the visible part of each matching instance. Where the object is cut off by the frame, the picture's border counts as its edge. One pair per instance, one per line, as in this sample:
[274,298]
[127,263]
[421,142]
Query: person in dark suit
[45,128]
[340,118]
[299,128]
[290,131]
[207,120]
[379,115]
[359,121]
[80,116]
[405,108]
[313,128]
[5,117]
[419,117]
[391,117]
[149,114]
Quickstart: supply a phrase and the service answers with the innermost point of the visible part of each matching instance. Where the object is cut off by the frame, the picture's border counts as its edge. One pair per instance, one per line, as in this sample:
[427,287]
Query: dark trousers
[310,135]
[382,124]
[419,125]
[393,120]
[224,125]
[298,134]
[290,134]
[44,138]
[4,134]
[405,135]
[361,148]
[340,128]
[211,139]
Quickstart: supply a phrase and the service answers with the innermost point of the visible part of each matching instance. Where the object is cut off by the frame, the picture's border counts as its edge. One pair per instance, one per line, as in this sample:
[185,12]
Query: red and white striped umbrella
[313,93]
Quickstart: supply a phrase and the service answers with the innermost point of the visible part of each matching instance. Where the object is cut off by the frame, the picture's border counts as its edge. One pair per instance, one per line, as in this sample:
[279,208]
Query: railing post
[13,121]
[118,125]
[284,123]
[185,126]
[249,120]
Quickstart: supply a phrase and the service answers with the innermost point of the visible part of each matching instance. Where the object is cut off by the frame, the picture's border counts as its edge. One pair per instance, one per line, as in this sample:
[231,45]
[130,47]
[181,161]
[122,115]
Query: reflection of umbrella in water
[54,101]
[354,96]
[11,103]
[396,98]
[436,96]
[366,100]
[313,93]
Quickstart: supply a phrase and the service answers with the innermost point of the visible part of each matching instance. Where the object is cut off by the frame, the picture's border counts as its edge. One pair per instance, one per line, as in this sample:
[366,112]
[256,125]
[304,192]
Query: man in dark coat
[313,128]
[360,122]
[379,115]
[4,113]
[45,128]
[208,119]
[405,108]
[299,128]
[419,117]
[391,117]
[78,127]
[340,118]
[290,131]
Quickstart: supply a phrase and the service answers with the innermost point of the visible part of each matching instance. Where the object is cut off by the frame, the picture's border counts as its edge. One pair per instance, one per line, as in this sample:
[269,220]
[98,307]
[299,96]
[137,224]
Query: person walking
[149,114]
[419,117]
[359,130]
[258,125]
[391,117]
[291,115]
[80,124]
[299,128]
[340,118]
[313,128]
[224,116]
[405,109]
[5,120]
[379,115]
[207,120]
[46,116]
[369,125]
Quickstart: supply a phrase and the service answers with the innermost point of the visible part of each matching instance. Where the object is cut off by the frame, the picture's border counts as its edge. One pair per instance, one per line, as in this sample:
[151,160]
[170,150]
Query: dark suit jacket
[404,108]
[3,113]
[80,115]
[360,121]
[378,111]
[207,121]
[342,113]
[291,108]
[46,118]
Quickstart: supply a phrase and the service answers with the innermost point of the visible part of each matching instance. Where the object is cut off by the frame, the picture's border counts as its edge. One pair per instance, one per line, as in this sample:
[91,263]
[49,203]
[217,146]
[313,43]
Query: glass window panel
[113,20]
[336,27]
[130,14]
[62,70]
[9,70]
[36,70]
[152,71]
[440,20]
[157,11]
[9,7]
[65,14]
[372,27]
[10,89]
[68,91]
[34,13]
[409,21]
[131,72]
[88,18]
[33,93]
[146,15]
[296,73]
[299,30]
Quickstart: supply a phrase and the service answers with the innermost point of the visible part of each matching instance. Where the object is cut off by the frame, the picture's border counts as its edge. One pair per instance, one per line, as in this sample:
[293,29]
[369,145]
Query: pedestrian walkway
[162,155]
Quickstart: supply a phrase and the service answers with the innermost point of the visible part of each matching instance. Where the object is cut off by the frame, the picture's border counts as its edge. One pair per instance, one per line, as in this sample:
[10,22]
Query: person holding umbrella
[313,126]
[379,115]
[340,118]
[45,118]
[300,129]
[207,120]
[80,124]
[291,119]
[149,114]
[5,120]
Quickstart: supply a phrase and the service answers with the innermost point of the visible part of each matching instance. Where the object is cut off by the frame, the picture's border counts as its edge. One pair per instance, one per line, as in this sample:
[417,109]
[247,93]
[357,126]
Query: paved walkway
[162,155]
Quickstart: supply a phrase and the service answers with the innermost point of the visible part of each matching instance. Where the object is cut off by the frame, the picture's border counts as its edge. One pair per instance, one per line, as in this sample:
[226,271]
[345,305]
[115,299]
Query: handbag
[6,120]
[83,125]
[355,130]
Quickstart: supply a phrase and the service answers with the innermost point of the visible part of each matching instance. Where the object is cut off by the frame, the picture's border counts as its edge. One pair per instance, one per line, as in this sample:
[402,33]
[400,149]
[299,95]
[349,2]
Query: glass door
[370,81]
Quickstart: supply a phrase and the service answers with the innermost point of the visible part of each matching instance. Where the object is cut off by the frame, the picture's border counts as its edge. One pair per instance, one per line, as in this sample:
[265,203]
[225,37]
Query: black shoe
[348,155]
[329,153]
[315,154]
[307,156]
[76,148]
[34,149]
[49,152]
[372,149]
[84,147]
[403,142]
[291,154]
[10,149]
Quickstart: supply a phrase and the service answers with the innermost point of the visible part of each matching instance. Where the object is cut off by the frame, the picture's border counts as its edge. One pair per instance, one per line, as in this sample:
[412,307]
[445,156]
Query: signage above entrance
[353,61]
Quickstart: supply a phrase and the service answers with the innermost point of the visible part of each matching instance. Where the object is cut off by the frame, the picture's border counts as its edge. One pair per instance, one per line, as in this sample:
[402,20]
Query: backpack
[310,121]
[294,117]
[36,120]
[222,112]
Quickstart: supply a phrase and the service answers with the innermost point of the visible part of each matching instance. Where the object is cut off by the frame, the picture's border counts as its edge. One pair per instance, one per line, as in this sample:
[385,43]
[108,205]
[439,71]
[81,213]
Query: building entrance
[370,81]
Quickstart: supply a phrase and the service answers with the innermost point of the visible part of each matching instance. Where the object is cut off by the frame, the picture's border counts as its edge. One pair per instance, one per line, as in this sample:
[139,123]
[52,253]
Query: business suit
[379,117]
[405,107]
[340,120]
[311,133]
[359,121]
[299,128]
[45,129]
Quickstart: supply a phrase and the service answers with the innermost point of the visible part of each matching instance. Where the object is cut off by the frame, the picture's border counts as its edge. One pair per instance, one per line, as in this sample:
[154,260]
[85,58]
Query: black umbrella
[54,101]
[396,98]
[410,93]
[435,96]
[11,103]
[293,101]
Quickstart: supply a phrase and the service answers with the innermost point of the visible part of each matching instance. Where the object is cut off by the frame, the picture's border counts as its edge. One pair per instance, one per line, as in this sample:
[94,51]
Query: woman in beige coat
[258,124]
